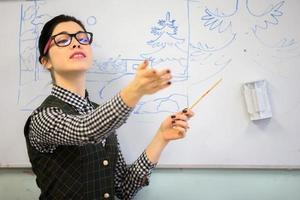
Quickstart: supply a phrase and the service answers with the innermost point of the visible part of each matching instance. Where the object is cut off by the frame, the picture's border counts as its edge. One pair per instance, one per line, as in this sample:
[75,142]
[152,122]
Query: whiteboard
[200,41]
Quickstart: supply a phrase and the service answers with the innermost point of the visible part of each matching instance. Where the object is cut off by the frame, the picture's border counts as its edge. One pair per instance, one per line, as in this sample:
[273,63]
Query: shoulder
[57,104]
[50,108]
[49,105]
[45,116]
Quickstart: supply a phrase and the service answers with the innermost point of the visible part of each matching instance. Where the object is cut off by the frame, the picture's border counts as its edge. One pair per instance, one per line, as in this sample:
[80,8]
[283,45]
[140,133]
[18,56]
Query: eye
[62,40]
[83,38]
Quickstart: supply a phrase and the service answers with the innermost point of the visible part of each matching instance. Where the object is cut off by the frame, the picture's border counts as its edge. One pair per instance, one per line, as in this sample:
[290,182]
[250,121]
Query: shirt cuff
[145,167]
[120,106]
[147,162]
[144,164]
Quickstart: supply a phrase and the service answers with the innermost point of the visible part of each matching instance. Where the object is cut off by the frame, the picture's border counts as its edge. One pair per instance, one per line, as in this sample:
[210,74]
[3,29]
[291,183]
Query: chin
[81,65]
[81,68]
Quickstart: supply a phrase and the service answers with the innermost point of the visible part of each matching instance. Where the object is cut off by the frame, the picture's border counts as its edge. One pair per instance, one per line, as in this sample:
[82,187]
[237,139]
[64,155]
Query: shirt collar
[70,97]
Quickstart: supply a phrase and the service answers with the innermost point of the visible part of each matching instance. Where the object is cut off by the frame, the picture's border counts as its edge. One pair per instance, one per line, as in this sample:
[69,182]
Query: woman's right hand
[146,81]
[175,126]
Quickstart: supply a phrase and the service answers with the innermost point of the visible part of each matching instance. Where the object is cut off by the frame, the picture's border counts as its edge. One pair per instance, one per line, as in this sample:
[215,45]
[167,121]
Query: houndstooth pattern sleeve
[50,126]
[130,179]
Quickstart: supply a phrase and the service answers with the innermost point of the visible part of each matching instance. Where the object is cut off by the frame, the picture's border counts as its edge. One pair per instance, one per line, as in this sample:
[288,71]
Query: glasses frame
[47,47]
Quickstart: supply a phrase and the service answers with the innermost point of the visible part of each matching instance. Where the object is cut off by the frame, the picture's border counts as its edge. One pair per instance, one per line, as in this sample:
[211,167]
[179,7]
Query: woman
[71,141]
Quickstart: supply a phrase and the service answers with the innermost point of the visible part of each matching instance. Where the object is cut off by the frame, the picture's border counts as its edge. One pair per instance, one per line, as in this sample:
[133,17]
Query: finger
[150,73]
[159,83]
[163,72]
[180,131]
[166,76]
[143,65]
[162,81]
[157,75]
[188,112]
[179,116]
[156,87]
[180,123]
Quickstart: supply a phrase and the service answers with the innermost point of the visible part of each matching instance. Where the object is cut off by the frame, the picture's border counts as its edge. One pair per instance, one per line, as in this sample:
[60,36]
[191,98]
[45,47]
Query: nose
[74,46]
[74,43]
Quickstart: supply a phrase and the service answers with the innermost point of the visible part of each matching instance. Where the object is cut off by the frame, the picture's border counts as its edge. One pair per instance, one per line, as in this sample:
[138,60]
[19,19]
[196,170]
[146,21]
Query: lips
[77,55]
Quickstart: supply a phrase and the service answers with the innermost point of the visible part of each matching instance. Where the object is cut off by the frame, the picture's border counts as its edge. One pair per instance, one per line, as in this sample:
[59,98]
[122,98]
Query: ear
[46,62]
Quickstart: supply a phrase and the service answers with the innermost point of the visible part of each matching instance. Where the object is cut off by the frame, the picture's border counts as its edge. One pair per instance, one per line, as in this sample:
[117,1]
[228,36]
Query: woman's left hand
[175,126]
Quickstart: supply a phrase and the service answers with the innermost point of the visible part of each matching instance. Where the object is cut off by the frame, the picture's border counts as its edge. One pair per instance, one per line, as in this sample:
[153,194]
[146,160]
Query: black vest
[74,172]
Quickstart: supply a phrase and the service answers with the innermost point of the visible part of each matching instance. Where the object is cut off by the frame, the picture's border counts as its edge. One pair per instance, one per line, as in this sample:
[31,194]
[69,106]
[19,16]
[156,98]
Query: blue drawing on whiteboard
[33,79]
[207,56]
[228,33]
[167,49]
[255,22]
[196,48]
[223,22]
[164,104]
[92,20]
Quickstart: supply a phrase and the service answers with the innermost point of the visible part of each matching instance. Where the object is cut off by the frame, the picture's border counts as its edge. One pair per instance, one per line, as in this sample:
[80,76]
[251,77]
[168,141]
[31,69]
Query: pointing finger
[143,65]
[163,72]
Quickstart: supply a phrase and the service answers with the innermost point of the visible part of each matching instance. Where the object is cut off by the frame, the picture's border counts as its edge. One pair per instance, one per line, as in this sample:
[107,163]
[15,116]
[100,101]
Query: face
[72,59]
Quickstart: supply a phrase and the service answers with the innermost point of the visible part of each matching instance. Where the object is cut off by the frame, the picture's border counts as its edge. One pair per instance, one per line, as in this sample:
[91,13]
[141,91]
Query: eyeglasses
[64,39]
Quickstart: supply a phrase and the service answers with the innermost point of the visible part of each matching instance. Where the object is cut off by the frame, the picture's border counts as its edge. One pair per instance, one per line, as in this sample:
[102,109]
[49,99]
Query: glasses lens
[62,40]
[84,37]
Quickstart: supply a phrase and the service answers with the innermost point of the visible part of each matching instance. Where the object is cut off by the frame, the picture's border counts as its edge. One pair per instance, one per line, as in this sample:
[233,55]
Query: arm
[52,126]
[130,179]
[172,128]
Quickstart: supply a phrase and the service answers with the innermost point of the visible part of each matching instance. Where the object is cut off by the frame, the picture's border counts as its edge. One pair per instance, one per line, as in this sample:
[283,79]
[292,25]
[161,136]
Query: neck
[72,82]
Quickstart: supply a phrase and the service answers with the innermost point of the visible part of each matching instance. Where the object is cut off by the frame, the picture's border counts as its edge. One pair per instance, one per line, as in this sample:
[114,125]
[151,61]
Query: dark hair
[48,29]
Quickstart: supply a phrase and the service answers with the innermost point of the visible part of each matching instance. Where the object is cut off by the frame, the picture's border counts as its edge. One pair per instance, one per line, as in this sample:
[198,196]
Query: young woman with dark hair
[71,141]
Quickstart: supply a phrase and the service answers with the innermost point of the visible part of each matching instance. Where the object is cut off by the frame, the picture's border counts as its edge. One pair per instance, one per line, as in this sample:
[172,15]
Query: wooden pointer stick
[203,95]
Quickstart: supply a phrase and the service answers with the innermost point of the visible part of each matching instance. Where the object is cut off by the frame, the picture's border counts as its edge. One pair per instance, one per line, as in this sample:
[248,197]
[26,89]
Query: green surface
[187,184]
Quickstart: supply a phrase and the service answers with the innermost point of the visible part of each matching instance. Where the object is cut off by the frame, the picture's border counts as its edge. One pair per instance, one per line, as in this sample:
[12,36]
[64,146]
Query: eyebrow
[65,32]
[61,33]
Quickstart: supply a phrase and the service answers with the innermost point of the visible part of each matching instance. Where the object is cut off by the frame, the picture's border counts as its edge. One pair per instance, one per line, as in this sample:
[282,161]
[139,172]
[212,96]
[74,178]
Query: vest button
[106,195]
[105,162]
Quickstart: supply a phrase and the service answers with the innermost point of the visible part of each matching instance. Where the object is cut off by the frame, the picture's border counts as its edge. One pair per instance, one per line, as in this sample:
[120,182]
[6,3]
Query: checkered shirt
[50,127]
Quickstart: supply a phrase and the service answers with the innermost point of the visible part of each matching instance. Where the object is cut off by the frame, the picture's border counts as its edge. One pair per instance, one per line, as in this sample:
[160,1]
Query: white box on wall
[257,100]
